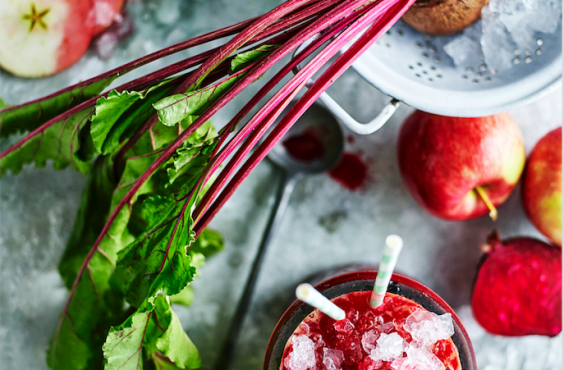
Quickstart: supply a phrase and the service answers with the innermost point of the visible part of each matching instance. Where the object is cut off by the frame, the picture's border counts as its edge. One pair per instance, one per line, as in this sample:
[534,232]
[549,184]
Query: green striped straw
[389,259]
[306,293]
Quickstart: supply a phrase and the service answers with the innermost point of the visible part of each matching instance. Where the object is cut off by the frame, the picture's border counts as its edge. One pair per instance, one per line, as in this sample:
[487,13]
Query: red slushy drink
[412,330]
[398,335]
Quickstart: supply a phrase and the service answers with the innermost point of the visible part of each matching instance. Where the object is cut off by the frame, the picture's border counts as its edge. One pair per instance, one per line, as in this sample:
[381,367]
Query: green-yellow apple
[460,168]
[42,37]
[542,186]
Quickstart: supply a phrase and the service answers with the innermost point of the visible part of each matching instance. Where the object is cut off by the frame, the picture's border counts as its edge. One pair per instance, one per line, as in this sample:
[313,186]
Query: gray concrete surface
[325,225]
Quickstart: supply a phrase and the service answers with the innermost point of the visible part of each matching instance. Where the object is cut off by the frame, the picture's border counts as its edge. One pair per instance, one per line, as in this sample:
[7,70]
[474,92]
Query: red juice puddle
[350,172]
[305,146]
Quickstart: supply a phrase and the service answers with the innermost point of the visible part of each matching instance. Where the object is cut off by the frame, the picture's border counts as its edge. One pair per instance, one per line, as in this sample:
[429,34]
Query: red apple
[518,288]
[43,37]
[542,186]
[460,168]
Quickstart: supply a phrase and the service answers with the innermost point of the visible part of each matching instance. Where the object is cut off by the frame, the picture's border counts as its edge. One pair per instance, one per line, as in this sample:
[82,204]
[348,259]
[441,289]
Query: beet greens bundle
[154,159]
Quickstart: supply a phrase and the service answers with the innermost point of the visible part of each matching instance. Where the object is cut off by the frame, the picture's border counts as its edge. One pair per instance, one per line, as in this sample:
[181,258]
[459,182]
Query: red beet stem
[251,125]
[198,40]
[295,18]
[339,12]
[214,35]
[278,26]
[335,70]
[194,81]
[217,160]
[225,66]
[342,10]
[136,84]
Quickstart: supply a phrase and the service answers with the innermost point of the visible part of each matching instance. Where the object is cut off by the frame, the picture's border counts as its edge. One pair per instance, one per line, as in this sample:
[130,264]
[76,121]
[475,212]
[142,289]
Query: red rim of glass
[363,275]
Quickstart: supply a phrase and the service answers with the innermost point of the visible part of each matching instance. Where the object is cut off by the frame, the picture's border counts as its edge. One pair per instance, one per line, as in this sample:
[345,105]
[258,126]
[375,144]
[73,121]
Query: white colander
[412,68]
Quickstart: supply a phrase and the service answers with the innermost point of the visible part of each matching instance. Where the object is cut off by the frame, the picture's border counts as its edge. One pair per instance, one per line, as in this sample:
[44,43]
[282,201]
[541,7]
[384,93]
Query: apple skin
[542,186]
[517,290]
[443,159]
[43,51]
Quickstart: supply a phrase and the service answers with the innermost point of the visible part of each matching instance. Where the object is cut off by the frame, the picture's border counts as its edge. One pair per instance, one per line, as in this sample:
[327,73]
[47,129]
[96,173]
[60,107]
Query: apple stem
[488,201]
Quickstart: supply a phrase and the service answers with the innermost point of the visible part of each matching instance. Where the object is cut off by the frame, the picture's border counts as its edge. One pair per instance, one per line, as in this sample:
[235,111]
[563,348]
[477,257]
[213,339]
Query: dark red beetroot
[518,288]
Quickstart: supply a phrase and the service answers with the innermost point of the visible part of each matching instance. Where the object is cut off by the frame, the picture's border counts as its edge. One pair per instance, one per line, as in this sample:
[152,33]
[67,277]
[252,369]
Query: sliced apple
[42,37]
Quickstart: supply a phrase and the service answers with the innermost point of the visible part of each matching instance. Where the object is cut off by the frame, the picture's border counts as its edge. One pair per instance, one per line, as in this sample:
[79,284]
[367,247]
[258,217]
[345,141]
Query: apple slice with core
[460,168]
[43,37]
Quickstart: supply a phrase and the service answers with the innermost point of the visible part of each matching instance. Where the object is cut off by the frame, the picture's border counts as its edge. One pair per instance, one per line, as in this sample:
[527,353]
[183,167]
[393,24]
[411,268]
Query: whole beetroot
[518,287]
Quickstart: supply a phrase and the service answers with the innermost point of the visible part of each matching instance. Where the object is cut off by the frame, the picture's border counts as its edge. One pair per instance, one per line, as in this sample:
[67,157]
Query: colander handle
[352,124]
[342,115]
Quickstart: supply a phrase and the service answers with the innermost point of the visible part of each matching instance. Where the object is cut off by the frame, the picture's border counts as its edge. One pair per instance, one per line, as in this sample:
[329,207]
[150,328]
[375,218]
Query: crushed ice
[381,343]
[332,359]
[106,42]
[103,12]
[507,31]
[344,326]
[397,363]
[387,327]
[421,358]
[369,340]
[303,355]
[427,328]
[389,347]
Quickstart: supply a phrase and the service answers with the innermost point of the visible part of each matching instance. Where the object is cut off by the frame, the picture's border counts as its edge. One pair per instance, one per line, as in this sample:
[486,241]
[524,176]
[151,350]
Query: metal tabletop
[325,225]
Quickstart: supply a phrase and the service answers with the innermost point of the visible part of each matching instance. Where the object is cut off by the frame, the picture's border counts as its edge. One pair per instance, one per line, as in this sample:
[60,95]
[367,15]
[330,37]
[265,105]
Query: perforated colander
[412,68]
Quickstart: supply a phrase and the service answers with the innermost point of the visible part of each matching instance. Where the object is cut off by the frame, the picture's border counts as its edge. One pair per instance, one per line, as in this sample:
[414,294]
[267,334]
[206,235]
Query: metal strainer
[412,68]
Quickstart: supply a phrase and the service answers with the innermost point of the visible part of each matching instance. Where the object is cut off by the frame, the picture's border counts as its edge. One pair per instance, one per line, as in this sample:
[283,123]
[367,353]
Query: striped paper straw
[306,293]
[389,259]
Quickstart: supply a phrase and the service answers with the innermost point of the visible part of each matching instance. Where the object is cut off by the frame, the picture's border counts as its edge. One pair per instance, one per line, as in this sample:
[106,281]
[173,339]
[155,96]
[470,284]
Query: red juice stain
[350,172]
[350,139]
[305,146]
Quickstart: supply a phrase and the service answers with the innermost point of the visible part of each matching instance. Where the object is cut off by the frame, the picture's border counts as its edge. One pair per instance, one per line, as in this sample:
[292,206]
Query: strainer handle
[352,124]
[342,115]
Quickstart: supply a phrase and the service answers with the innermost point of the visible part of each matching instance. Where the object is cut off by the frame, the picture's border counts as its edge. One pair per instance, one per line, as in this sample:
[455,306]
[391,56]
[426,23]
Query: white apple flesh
[43,37]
